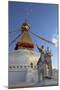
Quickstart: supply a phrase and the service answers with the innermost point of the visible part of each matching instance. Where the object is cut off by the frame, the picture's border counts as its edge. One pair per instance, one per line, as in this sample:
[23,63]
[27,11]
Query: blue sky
[43,19]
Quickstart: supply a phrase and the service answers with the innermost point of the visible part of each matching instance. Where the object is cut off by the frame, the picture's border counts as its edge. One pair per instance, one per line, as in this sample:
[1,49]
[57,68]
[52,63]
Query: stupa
[23,60]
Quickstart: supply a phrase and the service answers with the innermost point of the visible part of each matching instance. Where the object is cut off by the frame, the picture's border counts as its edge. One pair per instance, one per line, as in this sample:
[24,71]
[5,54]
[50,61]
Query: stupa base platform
[41,83]
[21,85]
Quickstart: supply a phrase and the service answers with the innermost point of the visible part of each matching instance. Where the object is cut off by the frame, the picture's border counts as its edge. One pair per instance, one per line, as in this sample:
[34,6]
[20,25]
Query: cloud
[55,40]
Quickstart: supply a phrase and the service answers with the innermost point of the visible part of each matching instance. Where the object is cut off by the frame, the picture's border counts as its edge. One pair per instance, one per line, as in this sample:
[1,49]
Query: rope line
[42,38]
[14,40]
[20,35]
[11,32]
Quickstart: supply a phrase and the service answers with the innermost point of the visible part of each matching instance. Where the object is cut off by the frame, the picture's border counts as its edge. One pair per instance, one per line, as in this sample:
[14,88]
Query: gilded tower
[25,40]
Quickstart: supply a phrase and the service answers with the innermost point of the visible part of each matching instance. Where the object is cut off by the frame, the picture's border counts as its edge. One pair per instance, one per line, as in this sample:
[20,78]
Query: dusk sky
[43,19]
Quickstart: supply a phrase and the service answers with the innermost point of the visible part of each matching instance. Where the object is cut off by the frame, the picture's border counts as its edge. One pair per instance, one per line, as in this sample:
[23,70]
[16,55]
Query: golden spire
[25,39]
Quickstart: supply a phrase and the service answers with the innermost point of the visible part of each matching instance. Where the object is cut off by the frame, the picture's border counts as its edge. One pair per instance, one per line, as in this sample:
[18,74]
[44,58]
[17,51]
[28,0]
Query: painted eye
[26,27]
